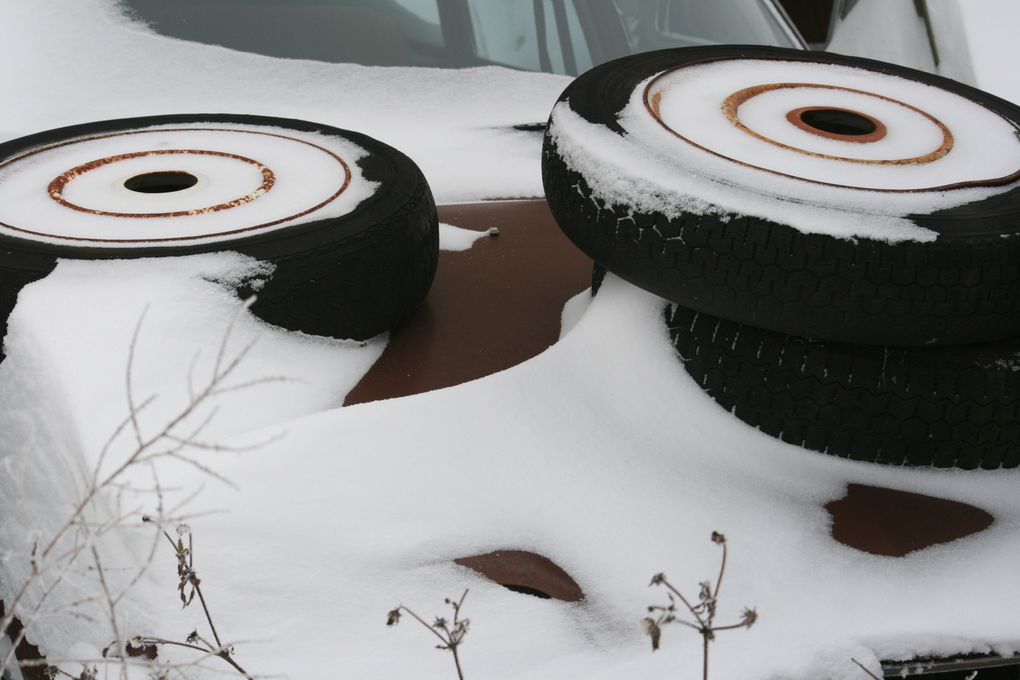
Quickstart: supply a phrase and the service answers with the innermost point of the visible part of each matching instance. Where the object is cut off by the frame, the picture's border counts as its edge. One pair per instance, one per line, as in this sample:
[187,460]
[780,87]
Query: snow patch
[456,238]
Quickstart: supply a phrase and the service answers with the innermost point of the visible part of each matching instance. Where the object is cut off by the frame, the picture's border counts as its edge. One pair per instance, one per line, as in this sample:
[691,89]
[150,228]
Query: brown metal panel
[889,522]
[491,307]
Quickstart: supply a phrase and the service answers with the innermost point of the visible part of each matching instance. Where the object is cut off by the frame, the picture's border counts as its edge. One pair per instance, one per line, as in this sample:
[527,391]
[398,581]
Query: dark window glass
[560,36]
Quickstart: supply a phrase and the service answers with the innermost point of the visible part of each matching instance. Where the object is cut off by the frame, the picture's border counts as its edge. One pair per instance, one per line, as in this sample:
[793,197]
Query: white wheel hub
[173,183]
[834,125]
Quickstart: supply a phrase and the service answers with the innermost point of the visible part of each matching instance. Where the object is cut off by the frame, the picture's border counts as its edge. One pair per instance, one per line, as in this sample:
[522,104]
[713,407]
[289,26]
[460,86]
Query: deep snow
[600,453]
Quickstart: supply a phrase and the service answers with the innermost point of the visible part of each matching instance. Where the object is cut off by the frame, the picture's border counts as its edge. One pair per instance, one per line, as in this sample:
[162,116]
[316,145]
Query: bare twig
[864,668]
[169,441]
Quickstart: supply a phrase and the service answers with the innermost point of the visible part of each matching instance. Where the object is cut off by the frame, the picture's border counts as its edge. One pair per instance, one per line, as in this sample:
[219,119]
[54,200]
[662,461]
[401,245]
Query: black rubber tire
[963,287]
[352,276]
[934,406]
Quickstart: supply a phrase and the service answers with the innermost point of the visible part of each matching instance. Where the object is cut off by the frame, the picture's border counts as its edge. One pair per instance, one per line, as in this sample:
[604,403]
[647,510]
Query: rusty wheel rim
[56,187]
[58,184]
[731,107]
[651,100]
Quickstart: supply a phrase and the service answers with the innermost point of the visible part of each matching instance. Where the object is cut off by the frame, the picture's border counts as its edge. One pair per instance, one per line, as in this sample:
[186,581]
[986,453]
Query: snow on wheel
[348,222]
[807,193]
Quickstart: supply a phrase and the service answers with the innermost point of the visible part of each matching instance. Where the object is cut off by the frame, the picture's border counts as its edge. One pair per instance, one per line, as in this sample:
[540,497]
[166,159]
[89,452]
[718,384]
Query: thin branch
[256,382]
[132,348]
[863,668]
[113,611]
[47,556]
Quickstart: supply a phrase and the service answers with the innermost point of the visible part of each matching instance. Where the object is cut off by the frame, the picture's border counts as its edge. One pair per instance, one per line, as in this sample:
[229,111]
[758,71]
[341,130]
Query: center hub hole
[163,182]
[838,122]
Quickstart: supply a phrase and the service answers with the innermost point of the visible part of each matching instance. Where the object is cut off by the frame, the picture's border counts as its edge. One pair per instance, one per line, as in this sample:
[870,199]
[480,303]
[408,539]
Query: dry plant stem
[453,636]
[197,586]
[218,649]
[722,571]
[142,452]
[703,612]
[214,652]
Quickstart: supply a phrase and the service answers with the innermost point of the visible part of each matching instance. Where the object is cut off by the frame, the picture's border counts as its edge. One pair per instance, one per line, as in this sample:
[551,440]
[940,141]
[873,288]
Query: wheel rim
[164,184]
[829,127]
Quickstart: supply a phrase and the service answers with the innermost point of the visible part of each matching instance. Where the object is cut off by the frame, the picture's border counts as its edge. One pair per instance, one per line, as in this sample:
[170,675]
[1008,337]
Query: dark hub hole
[838,122]
[161,182]
[527,591]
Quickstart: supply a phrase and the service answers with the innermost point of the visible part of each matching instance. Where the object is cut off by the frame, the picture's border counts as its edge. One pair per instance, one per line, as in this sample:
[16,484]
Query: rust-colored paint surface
[888,522]
[520,568]
[491,307]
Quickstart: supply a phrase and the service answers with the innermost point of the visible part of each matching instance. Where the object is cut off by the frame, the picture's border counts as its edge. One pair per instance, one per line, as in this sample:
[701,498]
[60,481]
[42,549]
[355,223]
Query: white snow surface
[989,29]
[315,176]
[457,238]
[63,392]
[82,62]
[973,39]
[888,30]
[600,453]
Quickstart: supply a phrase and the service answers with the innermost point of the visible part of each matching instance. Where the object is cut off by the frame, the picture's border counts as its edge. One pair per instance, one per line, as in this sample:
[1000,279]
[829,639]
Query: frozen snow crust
[358,509]
[795,256]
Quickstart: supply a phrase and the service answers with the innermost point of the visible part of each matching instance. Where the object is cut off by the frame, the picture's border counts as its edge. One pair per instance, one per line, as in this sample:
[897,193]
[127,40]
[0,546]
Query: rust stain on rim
[330,199]
[652,102]
[731,106]
[56,187]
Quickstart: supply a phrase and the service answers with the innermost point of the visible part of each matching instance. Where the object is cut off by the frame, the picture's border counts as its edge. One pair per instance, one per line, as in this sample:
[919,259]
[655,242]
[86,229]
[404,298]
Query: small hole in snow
[527,591]
[838,122]
[164,182]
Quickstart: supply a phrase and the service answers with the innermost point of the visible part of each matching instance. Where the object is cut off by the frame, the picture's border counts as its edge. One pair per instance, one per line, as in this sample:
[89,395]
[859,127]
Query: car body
[511,414]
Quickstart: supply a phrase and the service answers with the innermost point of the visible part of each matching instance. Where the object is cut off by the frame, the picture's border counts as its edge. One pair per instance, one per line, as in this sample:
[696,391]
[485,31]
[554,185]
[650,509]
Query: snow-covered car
[515,437]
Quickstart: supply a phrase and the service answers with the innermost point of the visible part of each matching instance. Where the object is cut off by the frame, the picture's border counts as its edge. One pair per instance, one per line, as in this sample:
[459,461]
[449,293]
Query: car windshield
[557,36]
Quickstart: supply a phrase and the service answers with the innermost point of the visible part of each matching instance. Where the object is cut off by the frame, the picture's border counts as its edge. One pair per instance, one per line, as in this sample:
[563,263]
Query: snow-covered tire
[924,406]
[348,222]
[883,264]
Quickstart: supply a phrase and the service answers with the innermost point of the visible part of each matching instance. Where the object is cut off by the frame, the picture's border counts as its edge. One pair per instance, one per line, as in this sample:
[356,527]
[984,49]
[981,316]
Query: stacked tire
[839,240]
